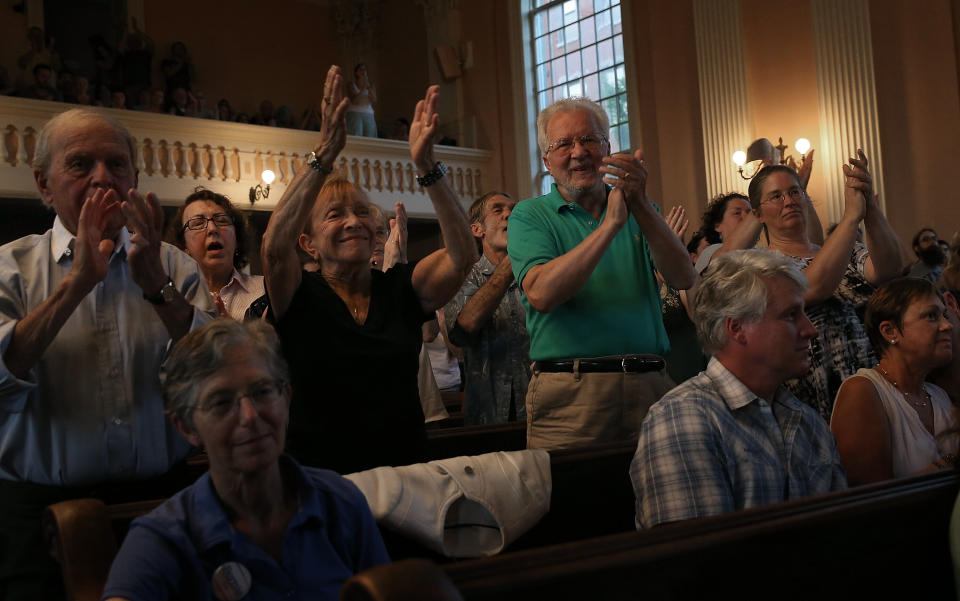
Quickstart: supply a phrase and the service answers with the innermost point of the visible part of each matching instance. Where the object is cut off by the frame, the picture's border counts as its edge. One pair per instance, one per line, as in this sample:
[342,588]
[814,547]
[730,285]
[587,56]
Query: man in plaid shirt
[734,436]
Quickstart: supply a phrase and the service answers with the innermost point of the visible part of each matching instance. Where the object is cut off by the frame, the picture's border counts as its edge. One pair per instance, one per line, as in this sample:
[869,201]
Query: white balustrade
[177,154]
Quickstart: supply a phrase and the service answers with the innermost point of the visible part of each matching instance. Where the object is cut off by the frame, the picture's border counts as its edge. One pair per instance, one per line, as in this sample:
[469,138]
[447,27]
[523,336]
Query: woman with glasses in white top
[839,272]
[208,228]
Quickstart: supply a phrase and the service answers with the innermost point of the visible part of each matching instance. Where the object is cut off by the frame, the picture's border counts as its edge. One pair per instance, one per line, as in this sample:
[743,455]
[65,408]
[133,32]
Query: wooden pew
[884,541]
[475,440]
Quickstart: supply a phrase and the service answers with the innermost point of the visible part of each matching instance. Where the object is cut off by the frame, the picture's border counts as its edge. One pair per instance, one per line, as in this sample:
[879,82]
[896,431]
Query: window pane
[544,99]
[599,5]
[575,89]
[543,76]
[569,12]
[556,44]
[624,136]
[610,105]
[591,86]
[614,141]
[608,83]
[618,48]
[586,8]
[540,23]
[559,70]
[621,79]
[588,33]
[589,55]
[605,54]
[542,2]
[573,65]
[556,17]
[623,107]
[542,49]
[615,17]
[559,93]
[572,35]
[603,25]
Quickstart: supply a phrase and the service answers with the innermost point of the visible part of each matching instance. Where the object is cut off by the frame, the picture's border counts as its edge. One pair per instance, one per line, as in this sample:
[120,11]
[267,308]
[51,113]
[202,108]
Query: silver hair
[199,355]
[570,104]
[42,155]
[734,287]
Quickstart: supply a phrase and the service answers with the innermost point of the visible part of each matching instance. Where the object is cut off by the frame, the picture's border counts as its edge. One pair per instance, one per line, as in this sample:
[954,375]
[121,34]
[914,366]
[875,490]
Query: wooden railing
[174,155]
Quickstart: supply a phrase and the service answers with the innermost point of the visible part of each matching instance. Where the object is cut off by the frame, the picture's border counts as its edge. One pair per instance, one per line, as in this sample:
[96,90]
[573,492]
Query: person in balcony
[363,95]
[352,333]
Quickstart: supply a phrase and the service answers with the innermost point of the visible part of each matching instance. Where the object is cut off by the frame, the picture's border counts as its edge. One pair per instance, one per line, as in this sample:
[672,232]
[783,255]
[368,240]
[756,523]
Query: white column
[724,106]
[847,94]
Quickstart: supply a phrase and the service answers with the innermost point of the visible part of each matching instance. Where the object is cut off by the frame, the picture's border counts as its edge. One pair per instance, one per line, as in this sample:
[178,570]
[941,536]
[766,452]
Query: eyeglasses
[200,222]
[261,395]
[564,146]
[778,197]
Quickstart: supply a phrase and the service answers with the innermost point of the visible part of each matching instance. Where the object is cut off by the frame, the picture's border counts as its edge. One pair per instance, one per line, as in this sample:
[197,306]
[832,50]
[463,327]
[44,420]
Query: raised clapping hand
[858,186]
[424,130]
[145,222]
[395,249]
[92,252]
[628,176]
[676,219]
[333,119]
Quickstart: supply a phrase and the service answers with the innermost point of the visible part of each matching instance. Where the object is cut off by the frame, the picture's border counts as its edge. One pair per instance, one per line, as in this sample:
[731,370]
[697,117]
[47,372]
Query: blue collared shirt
[91,409]
[172,552]
[711,446]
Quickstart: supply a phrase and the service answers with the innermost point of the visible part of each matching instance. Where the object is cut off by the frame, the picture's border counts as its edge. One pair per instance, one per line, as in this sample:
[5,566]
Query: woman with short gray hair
[230,533]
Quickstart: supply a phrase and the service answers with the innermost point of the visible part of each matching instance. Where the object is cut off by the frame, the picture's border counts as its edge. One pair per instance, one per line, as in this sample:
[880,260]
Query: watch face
[168,292]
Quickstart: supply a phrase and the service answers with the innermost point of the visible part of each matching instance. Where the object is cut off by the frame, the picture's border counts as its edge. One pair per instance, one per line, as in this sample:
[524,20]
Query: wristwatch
[314,161]
[164,296]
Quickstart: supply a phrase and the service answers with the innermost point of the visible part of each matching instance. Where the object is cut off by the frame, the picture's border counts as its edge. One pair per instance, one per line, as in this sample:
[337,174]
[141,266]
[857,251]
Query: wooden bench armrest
[81,536]
[406,580]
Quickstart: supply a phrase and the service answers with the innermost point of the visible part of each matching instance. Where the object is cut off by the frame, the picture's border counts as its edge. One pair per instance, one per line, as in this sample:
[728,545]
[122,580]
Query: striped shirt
[710,446]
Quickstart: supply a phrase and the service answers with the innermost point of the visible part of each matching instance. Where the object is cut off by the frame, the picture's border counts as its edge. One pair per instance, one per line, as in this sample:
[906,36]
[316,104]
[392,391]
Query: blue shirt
[617,311]
[711,446]
[91,409]
[172,552]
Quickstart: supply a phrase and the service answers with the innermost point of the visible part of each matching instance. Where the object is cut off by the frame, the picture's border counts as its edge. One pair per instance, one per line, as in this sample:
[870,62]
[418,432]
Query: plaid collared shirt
[710,446]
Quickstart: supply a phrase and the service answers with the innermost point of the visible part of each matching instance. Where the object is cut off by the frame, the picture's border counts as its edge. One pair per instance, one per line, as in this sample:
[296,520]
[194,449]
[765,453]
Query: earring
[893,341]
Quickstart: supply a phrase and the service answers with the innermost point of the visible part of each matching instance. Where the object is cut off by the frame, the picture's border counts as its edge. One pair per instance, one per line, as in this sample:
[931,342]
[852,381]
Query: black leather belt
[627,364]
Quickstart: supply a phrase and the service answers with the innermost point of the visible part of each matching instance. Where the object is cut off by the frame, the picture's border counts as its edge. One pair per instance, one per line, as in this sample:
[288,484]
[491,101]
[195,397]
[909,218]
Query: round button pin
[231,581]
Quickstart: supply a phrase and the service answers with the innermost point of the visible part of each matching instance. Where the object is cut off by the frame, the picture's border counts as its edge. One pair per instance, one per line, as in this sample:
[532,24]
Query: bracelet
[433,176]
[314,161]
[947,461]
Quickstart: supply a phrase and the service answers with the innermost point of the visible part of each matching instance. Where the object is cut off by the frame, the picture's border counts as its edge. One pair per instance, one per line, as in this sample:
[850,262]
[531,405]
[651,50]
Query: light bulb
[802,145]
[268,176]
[739,157]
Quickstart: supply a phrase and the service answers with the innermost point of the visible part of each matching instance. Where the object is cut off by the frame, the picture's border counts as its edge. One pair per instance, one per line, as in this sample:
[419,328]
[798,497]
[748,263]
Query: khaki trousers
[571,409]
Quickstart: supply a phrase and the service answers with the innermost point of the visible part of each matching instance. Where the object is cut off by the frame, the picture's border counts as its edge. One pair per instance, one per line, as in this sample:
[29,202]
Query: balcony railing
[175,155]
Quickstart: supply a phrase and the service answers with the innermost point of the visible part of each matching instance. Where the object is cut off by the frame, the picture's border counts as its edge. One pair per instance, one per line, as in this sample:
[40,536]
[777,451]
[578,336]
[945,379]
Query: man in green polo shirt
[586,271]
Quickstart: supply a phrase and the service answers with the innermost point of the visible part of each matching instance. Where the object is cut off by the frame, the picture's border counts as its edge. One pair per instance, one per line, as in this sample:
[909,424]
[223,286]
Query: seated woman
[257,525]
[208,228]
[838,272]
[352,333]
[886,419]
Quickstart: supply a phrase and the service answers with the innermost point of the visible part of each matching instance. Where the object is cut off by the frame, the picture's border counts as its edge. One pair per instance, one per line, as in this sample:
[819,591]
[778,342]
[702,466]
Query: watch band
[433,176]
[314,161]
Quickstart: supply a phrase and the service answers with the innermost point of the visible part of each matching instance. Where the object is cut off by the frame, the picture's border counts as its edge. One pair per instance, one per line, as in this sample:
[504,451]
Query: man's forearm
[549,285]
[34,333]
[477,311]
[670,257]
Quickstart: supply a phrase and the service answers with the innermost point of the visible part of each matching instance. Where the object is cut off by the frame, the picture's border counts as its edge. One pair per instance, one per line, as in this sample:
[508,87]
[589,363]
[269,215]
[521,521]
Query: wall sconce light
[257,192]
[749,169]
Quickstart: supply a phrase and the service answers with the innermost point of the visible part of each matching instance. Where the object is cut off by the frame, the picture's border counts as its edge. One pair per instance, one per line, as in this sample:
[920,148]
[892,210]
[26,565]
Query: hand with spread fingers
[92,259]
[145,222]
[333,122]
[677,221]
[425,130]
[628,176]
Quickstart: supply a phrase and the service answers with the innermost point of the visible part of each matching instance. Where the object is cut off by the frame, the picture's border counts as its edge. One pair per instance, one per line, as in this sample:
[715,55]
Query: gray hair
[199,355]
[570,104]
[42,155]
[734,287]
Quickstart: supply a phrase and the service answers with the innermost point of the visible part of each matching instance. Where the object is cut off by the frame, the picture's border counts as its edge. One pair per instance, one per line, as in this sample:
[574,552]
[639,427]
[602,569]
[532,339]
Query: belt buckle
[623,364]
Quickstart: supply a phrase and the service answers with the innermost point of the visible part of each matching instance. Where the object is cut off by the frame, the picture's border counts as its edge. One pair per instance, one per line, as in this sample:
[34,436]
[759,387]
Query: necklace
[920,403]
